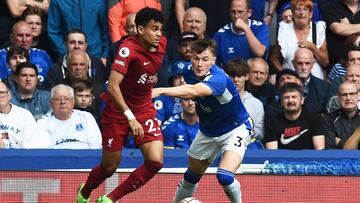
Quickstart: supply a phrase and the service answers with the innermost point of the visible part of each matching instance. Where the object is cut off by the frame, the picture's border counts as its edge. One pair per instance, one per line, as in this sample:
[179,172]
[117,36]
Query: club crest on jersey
[79,127]
[124,52]
[109,144]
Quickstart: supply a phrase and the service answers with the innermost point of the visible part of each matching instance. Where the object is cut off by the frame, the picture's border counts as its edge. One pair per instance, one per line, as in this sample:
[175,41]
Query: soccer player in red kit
[130,109]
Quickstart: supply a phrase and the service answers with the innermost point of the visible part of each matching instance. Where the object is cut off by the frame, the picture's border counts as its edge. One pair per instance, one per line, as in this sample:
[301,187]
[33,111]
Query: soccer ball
[189,200]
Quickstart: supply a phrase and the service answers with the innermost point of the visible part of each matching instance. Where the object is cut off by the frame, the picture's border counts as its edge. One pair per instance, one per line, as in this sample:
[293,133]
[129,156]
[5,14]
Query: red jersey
[140,68]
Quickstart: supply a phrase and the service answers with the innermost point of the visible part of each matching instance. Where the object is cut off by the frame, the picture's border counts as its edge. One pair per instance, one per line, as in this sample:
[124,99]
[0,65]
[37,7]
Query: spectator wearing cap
[286,14]
[193,19]
[282,77]
[167,106]
[24,91]
[170,106]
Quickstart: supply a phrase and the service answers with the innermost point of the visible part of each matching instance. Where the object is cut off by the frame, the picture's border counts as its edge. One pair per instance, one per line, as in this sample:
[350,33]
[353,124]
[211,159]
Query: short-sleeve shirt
[177,133]
[296,134]
[222,111]
[232,45]
[38,57]
[166,107]
[139,67]
[334,12]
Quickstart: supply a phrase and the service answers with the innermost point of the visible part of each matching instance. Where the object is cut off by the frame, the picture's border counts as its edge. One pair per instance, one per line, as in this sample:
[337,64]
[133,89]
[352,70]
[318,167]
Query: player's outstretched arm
[184,91]
[115,79]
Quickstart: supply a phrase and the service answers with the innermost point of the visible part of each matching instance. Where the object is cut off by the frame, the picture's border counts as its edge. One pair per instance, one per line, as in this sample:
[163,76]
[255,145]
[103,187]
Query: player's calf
[187,186]
[230,185]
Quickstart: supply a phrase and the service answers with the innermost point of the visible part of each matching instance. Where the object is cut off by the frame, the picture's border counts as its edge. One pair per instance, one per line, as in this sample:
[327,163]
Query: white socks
[185,189]
[233,191]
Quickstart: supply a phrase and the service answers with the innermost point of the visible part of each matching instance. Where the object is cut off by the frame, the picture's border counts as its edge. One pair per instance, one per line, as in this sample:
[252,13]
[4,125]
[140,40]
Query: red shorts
[114,134]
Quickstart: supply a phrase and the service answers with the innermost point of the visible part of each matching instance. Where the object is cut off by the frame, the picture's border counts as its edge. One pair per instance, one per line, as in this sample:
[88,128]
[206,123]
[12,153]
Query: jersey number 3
[238,143]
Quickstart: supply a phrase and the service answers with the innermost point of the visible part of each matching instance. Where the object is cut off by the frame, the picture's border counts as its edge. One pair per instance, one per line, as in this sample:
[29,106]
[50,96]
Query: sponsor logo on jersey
[180,138]
[79,127]
[156,134]
[230,50]
[291,134]
[146,62]
[124,52]
[61,141]
[206,109]
[181,65]
[142,79]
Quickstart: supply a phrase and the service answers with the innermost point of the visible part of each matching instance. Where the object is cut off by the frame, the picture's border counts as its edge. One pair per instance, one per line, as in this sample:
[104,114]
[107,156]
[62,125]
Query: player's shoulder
[256,23]
[217,71]
[127,47]
[81,113]
[17,109]
[161,101]
[223,29]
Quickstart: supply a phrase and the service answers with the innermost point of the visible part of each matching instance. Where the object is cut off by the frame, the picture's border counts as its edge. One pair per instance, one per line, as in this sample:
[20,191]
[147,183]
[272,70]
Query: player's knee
[153,166]
[192,177]
[224,177]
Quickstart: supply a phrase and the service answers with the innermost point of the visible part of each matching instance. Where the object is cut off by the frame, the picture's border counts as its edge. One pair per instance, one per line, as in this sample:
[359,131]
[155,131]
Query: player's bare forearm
[116,96]
[183,91]
[114,90]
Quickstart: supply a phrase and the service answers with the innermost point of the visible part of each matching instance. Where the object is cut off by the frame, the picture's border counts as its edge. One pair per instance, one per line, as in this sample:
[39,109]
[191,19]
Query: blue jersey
[222,111]
[177,133]
[166,107]
[37,56]
[232,45]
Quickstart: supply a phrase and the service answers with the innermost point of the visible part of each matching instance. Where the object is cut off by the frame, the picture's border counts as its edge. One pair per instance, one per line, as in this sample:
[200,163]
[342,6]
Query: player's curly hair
[145,15]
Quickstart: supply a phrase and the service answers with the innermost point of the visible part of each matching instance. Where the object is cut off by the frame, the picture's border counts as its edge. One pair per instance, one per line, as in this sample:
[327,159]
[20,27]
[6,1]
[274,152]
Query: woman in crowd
[301,33]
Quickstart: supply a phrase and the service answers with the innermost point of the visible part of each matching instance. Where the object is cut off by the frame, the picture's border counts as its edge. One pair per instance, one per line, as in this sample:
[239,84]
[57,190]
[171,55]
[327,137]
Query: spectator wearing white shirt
[16,124]
[68,128]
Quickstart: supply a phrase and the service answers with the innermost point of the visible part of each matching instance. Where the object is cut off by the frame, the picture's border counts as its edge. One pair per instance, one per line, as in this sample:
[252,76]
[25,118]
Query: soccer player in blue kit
[225,124]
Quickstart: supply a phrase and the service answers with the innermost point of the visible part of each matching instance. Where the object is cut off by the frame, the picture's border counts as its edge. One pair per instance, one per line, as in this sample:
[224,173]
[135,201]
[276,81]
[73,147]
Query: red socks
[97,176]
[136,179]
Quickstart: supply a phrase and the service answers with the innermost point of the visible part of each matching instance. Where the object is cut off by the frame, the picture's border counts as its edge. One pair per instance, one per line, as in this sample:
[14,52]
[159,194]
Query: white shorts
[206,148]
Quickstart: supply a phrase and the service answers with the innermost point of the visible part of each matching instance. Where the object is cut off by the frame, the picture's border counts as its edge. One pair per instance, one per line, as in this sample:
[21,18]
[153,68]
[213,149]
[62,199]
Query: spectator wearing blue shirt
[88,16]
[16,55]
[180,130]
[242,37]
[24,91]
[21,35]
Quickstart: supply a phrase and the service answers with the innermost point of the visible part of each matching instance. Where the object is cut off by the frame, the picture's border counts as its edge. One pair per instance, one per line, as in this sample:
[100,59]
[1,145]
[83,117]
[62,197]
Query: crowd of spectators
[302,91]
